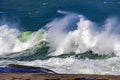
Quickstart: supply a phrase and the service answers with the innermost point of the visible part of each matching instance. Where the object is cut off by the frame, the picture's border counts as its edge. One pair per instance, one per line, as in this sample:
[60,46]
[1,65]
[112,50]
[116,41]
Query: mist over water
[77,37]
[13,40]
[62,40]
[86,37]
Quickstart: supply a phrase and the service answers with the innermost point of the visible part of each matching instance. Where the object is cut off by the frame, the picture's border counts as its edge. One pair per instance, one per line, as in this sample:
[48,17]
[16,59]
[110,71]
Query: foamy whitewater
[101,39]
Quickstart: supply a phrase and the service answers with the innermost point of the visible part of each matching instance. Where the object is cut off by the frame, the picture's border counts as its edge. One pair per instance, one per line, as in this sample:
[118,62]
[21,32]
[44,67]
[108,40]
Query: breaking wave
[13,40]
[89,48]
[88,36]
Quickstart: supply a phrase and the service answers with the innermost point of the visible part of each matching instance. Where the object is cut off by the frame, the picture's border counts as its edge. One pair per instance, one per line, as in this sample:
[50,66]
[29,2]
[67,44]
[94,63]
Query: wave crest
[87,37]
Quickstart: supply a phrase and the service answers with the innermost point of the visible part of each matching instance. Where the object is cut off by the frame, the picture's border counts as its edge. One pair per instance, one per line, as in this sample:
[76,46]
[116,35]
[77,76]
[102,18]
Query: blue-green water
[32,15]
[67,36]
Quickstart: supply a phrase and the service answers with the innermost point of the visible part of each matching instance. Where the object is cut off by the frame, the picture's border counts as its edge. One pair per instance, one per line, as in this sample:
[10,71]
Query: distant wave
[1,12]
[111,3]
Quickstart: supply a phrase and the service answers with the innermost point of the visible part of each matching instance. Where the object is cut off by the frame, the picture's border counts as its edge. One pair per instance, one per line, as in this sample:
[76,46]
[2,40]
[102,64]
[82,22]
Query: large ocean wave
[87,37]
[89,48]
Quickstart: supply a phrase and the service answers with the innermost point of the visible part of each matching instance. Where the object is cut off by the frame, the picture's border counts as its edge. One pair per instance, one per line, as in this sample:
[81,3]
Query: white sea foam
[85,37]
[74,66]
[10,42]
[7,39]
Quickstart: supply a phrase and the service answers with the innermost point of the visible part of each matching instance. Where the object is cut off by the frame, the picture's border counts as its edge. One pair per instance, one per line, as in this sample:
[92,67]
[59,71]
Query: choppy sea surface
[75,36]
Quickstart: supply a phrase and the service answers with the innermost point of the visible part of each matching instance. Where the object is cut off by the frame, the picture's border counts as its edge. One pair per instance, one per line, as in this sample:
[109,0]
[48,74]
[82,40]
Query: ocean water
[72,37]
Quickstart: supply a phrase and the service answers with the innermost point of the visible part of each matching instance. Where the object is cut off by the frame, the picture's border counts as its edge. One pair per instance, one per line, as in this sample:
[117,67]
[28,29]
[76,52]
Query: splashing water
[12,40]
[85,37]
[88,36]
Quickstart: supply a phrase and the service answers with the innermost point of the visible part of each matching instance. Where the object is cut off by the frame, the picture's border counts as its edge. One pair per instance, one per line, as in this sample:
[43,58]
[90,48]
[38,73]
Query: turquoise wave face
[43,54]
[25,36]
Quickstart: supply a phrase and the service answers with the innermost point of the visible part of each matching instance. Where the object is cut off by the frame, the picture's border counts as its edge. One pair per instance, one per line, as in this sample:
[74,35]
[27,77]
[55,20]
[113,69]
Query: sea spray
[61,41]
[7,39]
[12,40]
[57,29]
[84,50]
[86,37]
[82,37]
